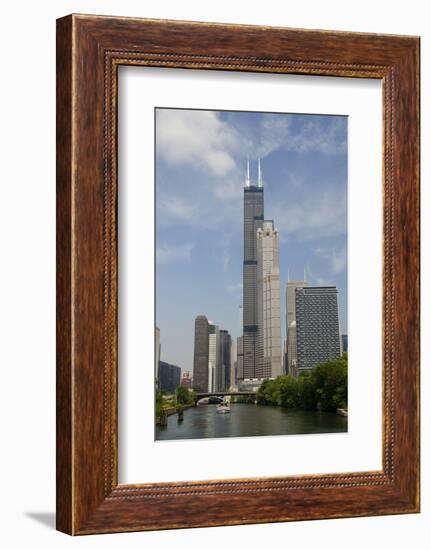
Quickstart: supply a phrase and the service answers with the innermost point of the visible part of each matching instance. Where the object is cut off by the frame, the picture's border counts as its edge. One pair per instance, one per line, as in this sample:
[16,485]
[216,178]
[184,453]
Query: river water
[249,420]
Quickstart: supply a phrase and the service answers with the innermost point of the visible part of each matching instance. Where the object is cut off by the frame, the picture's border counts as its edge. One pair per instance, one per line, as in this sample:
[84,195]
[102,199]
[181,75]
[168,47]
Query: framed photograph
[237,274]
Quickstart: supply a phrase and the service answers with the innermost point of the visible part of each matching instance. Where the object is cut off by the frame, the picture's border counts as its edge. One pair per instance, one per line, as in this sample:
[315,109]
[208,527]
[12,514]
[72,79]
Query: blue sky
[201,160]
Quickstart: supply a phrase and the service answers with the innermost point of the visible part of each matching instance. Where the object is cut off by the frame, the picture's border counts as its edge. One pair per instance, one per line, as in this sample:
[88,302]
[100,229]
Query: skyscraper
[213,357]
[200,357]
[233,364]
[292,357]
[186,379]
[253,220]
[223,362]
[317,326]
[239,358]
[169,377]
[269,363]
[344,343]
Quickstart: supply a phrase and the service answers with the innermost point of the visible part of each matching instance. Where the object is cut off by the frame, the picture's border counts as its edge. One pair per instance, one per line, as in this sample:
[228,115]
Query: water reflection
[249,420]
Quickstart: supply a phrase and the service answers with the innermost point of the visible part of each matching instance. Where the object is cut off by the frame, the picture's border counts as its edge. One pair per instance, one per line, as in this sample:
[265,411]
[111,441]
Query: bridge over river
[222,394]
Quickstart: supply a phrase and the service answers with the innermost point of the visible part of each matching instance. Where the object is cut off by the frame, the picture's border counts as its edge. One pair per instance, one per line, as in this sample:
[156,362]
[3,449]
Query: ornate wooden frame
[89,51]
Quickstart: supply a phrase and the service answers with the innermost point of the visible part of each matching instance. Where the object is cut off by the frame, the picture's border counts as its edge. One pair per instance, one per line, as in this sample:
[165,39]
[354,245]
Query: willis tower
[253,220]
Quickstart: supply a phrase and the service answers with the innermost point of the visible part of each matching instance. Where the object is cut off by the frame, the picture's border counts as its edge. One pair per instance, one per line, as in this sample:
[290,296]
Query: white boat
[223,409]
[224,406]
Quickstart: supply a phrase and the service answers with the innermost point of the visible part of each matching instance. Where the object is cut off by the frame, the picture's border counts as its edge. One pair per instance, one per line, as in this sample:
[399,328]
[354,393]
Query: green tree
[324,386]
[184,396]
[306,392]
[268,393]
[288,392]
[330,384]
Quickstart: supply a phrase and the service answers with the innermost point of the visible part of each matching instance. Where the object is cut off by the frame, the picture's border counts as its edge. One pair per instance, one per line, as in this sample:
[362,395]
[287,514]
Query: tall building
[223,361]
[169,377]
[285,368]
[157,349]
[344,343]
[233,364]
[239,359]
[292,358]
[253,220]
[203,328]
[186,379]
[269,363]
[213,357]
[317,326]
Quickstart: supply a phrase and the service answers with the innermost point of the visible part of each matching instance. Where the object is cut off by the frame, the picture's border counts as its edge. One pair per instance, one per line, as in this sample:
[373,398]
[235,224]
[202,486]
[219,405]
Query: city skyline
[199,248]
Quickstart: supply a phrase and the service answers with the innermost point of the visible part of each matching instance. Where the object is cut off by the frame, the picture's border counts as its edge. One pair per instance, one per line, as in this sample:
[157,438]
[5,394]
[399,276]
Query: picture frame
[89,51]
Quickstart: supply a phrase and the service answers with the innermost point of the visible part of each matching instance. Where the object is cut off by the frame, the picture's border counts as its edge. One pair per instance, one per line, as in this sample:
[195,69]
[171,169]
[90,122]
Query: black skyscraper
[317,328]
[200,357]
[224,361]
[169,377]
[253,220]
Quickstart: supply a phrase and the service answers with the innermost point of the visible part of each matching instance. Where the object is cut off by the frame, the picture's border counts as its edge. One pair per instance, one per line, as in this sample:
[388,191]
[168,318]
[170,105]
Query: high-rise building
[157,349]
[344,343]
[169,377]
[292,357]
[239,359]
[213,356]
[223,361]
[253,220]
[317,326]
[269,363]
[203,329]
[186,379]
[233,364]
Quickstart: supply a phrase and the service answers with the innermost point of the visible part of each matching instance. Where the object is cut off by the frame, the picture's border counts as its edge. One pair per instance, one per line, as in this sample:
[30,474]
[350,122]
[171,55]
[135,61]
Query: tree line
[182,396]
[324,387]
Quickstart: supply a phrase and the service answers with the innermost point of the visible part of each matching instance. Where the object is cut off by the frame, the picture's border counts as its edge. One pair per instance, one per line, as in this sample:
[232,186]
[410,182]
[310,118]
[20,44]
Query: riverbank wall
[172,410]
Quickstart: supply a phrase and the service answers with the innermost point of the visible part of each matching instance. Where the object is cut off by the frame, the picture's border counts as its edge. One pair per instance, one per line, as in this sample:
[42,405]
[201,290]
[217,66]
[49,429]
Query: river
[249,420]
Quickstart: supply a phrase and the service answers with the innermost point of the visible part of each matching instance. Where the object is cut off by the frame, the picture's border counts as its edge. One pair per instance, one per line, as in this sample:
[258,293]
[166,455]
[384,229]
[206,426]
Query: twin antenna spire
[259,175]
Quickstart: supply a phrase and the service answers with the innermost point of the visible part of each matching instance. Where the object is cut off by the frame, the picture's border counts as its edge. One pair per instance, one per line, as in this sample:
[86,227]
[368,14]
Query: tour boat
[223,409]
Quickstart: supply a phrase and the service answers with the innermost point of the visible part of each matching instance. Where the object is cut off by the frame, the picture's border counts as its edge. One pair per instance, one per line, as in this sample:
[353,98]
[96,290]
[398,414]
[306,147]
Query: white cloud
[226,259]
[203,140]
[295,181]
[234,288]
[337,258]
[176,208]
[276,132]
[317,279]
[224,250]
[313,137]
[273,134]
[316,215]
[167,254]
[339,261]
[199,210]
[198,138]
[227,189]
[215,151]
